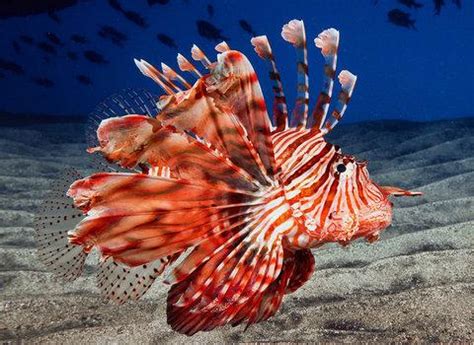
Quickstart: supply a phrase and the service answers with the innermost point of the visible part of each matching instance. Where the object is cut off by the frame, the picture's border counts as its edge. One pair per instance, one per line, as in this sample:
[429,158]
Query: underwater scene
[184,171]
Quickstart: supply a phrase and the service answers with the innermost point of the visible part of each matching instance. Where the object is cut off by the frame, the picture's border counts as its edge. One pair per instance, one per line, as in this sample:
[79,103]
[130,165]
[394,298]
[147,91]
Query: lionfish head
[364,208]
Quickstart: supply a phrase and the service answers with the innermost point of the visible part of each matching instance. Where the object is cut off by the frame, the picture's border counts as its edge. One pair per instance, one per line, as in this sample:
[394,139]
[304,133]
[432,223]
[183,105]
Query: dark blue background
[403,74]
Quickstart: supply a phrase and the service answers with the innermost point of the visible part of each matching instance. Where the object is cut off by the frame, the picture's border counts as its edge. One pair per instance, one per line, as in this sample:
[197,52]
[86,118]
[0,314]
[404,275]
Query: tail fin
[54,219]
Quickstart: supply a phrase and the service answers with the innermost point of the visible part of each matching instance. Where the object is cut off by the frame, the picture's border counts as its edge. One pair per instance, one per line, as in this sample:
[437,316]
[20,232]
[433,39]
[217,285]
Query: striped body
[214,193]
[326,205]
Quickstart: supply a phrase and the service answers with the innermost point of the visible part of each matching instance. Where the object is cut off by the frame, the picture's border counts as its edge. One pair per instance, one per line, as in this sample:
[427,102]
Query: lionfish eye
[341,168]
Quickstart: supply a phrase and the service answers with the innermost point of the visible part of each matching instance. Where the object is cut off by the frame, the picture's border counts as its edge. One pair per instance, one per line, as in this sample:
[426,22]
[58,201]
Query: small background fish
[208,23]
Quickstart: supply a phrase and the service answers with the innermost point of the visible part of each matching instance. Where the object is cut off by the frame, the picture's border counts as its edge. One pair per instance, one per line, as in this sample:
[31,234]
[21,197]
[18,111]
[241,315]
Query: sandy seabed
[415,284]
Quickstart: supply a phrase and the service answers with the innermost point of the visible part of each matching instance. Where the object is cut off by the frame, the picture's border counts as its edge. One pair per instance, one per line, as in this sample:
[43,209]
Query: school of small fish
[205,28]
[213,192]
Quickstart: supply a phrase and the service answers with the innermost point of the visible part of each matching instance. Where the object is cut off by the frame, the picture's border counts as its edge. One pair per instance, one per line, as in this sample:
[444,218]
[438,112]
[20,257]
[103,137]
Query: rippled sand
[416,283]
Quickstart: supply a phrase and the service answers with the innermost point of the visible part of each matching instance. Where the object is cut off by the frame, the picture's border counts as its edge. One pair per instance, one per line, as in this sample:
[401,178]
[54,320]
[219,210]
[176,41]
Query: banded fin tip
[145,67]
[294,33]
[347,81]
[171,74]
[168,71]
[328,41]
[222,47]
[150,71]
[140,66]
[262,46]
[196,53]
[183,63]
[186,66]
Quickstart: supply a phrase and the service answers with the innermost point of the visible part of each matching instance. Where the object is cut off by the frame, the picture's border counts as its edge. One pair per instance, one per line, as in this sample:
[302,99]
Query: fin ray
[137,140]
[236,275]
[280,108]
[294,33]
[121,283]
[236,84]
[348,81]
[328,42]
[131,216]
[55,217]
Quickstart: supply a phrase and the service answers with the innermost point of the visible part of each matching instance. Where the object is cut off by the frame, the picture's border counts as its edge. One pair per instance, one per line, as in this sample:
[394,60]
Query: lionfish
[211,191]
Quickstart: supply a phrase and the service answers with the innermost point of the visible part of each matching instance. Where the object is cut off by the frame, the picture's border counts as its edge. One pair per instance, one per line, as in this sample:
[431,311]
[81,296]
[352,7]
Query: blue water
[422,74]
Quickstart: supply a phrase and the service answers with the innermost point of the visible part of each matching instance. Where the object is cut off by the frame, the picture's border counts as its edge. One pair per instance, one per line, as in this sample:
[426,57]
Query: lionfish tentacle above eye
[280,109]
[222,47]
[348,81]
[294,33]
[186,66]
[173,75]
[151,72]
[328,42]
[198,55]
